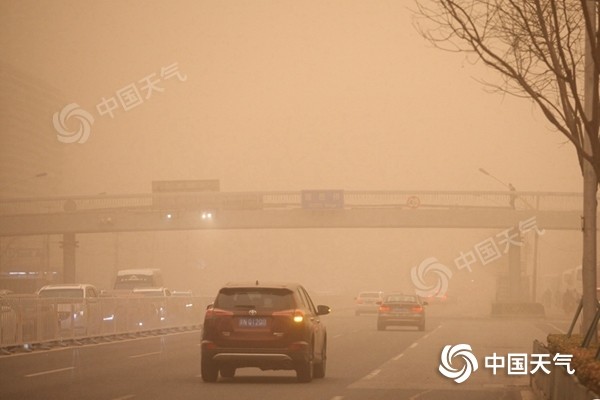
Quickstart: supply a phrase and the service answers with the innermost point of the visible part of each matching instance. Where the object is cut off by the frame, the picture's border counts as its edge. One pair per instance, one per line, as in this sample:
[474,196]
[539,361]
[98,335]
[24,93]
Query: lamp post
[513,197]
[507,185]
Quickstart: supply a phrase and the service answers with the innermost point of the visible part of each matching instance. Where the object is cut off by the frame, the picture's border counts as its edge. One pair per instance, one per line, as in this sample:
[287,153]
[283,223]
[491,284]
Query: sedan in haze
[367,302]
[399,309]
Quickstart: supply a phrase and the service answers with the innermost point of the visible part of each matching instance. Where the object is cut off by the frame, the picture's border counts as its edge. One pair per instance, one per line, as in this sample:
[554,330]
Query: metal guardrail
[31,321]
[544,201]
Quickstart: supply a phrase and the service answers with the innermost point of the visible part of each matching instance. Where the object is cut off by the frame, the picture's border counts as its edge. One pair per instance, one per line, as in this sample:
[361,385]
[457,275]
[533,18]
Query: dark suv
[269,326]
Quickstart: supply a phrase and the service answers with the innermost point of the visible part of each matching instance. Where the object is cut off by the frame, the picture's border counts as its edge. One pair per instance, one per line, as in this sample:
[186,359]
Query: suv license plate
[249,322]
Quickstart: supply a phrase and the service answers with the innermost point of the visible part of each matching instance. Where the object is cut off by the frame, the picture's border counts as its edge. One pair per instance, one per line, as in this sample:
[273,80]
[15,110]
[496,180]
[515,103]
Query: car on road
[367,302]
[77,307]
[271,326]
[401,310]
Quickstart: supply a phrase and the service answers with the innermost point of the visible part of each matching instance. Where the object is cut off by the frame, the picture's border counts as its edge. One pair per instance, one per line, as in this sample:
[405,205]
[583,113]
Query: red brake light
[359,301]
[384,308]
[217,312]
[417,309]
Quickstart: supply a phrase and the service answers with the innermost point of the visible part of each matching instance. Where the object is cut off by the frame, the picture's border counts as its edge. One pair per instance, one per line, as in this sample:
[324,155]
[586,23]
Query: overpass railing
[543,201]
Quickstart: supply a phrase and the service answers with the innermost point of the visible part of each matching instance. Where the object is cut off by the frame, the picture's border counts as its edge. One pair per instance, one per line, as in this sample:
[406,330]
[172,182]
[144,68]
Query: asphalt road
[363,363]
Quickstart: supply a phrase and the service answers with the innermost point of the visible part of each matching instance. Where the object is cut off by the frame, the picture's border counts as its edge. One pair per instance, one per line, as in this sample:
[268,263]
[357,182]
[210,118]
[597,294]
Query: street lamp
[513,197]
[507,185]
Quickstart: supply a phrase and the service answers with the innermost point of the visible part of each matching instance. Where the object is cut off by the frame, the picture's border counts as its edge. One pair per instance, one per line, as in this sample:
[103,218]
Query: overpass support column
[69,246]
[514,273]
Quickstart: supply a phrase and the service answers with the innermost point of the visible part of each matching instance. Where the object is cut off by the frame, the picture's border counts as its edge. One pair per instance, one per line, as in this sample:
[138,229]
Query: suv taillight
[385,308]
[217,312]
[417,309]
[296,315]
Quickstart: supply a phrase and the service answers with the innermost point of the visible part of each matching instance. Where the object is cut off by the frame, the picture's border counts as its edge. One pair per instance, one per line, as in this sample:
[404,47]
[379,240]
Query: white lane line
[52,371]
[412,346]
[337,397]
[129,396]
[399,356]
[145,354]
[337,336]
[372,374]
[416,396]
[527,395]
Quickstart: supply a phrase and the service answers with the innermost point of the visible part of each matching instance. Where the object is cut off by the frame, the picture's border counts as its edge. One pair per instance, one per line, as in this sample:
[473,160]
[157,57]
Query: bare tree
[544,50]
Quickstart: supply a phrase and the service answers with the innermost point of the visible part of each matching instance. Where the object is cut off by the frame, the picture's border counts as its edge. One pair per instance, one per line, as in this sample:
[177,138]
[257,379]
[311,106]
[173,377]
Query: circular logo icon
[252,312]
[413,202]
[84,121]
[440,272]
[469,362]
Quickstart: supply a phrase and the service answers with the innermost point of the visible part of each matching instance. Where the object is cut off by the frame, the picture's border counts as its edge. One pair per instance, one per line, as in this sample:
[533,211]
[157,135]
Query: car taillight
[385,308]
[417,309]
[359,301]
[208,345]
[296,315]
[217,312]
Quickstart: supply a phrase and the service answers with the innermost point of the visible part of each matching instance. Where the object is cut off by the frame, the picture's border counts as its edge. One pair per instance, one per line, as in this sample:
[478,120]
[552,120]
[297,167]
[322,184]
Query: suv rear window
[258,298]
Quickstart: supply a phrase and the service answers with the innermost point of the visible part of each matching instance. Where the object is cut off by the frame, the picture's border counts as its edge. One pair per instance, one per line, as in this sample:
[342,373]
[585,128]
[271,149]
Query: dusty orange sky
[279,95]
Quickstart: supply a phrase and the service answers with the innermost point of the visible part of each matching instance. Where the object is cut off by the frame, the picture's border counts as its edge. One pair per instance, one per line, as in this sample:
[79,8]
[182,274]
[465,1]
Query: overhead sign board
[322,199]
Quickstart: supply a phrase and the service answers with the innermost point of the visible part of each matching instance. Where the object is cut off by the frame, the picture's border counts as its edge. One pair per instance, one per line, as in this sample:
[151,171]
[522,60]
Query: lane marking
[527,395]
[337,336]
[145,354]
[416,396]
[129,396]
[372,374]
[399,356]
[337,397]
[52,371]
[412,346]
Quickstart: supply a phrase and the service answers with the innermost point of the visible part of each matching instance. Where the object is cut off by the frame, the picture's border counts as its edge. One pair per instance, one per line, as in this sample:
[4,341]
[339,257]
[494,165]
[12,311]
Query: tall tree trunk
[590,189]
[588,270]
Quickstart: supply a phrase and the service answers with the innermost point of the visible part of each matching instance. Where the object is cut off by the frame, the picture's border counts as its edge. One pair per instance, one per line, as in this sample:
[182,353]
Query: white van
[129,279]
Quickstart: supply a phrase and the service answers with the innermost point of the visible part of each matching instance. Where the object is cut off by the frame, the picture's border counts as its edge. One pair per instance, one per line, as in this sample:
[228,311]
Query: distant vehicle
[401,310]
[367,302]
[77,305]
[157,310]
[182,293]
[268,326]
[129,279]
[153,292]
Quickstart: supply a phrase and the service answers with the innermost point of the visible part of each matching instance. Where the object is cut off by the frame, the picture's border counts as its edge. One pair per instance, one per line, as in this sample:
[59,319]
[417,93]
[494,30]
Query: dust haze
[266,96]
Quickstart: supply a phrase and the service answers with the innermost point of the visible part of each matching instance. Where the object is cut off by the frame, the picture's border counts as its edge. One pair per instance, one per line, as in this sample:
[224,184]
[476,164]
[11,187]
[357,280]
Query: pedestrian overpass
[308,209]
[287,210]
